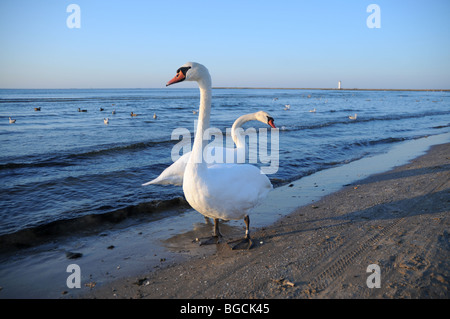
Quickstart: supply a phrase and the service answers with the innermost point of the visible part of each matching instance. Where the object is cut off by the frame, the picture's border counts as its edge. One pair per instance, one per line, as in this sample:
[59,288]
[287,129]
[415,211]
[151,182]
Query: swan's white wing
[230,191]
[173,175]
[243,185]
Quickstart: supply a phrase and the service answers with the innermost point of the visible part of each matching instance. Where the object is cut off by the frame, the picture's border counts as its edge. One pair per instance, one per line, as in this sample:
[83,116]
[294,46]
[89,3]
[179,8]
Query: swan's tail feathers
[149,183]
[169,180]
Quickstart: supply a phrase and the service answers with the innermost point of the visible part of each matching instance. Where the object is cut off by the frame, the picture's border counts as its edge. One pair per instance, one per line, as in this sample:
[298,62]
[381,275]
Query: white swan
[173,175]
[106,121]
[11,121]
[353,117]
[220,191]
[313,110]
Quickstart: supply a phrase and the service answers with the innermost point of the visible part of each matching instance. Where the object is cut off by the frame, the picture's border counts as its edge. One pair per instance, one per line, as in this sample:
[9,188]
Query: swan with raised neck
[221,191]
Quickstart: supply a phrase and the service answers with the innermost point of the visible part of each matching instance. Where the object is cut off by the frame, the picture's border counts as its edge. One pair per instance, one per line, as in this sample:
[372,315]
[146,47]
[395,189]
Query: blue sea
[59,164]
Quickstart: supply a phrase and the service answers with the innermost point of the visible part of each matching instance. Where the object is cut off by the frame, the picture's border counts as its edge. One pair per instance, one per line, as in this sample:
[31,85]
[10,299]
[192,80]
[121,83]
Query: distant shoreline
[330,89]
[241,88]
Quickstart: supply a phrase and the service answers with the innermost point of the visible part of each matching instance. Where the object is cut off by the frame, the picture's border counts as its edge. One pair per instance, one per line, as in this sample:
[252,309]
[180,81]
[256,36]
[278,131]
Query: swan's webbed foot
[216,238]
[208,240]
[244,243]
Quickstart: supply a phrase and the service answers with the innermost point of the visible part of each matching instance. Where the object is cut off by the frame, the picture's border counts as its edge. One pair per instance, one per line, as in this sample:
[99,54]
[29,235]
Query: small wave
[92,223]
[64,160]
[31,164]
[379,141]
[119,148]
[375,142]
[441,126]
[361,119]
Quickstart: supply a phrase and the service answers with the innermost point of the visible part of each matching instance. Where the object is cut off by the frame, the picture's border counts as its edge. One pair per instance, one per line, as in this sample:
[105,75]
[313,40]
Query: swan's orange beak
[178,78]
[270,122]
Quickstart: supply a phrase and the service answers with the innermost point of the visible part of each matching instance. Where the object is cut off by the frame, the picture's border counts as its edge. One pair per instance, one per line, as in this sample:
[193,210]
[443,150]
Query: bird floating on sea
[353,117]
[106,121]
[11,121]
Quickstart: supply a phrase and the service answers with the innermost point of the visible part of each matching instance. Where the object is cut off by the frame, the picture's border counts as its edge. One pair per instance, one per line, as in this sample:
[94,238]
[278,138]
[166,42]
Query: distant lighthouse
[339,85]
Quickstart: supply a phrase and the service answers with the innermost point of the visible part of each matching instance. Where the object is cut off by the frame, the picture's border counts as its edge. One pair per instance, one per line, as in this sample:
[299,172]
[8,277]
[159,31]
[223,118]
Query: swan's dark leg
[246,242]
[214,239]
[216,228]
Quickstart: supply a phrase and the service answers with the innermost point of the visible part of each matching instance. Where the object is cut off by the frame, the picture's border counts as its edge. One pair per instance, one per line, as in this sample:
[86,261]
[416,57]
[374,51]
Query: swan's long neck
[203,120]
[235,135]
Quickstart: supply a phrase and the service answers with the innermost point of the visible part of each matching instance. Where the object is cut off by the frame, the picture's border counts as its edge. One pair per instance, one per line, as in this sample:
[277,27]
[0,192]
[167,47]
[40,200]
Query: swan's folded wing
[239,187]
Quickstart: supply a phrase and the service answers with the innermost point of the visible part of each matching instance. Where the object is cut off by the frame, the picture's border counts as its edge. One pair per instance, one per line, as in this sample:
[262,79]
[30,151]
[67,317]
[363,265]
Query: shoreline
[396,219]
[329,89]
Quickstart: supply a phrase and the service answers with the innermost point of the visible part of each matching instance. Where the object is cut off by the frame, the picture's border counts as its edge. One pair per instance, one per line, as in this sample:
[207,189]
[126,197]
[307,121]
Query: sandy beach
[397,220]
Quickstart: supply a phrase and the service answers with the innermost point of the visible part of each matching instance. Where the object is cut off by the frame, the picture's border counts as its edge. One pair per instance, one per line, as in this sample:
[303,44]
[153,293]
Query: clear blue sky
[140,44]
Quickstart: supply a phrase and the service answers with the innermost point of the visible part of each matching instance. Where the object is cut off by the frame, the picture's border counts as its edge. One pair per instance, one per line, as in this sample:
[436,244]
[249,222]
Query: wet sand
[397,220]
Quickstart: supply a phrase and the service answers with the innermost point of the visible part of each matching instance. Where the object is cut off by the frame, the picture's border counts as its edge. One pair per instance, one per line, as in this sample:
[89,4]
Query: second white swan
[173,175]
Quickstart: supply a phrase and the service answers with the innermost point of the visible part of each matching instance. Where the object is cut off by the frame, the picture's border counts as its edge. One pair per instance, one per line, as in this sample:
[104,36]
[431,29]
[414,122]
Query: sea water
[59,164]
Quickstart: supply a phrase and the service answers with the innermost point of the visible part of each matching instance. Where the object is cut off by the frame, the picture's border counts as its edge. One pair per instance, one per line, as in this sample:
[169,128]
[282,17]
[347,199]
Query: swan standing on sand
[220,191]
[173,175]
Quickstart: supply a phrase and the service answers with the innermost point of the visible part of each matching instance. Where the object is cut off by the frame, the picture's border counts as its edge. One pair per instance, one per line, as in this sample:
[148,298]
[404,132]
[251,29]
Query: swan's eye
[183,70]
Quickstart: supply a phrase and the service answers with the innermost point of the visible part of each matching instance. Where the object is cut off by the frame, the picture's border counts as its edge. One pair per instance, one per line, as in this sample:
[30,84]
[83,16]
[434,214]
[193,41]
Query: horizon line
[235,88]
[330,89]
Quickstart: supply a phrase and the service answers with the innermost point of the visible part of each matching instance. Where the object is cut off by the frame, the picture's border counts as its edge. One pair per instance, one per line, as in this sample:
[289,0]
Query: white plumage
[219,191]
